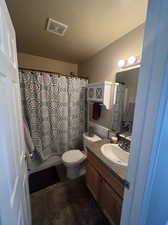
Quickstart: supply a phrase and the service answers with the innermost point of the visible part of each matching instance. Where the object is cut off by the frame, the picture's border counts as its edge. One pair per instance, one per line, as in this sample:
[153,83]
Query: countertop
[119,171]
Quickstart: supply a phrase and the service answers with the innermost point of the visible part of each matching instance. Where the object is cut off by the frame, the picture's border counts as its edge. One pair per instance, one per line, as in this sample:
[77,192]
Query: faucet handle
[114,139]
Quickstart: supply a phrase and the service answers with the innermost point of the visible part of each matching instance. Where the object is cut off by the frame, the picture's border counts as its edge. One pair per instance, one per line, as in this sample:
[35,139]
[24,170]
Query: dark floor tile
[66,203]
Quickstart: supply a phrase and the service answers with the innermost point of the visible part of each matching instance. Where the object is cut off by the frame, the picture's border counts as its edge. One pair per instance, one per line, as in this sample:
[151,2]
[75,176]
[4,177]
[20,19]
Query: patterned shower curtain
[118,108]
[55,109]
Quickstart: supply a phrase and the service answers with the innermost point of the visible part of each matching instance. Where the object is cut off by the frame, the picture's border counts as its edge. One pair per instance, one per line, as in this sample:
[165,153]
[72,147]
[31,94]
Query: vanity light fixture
[131,61]
[121,63]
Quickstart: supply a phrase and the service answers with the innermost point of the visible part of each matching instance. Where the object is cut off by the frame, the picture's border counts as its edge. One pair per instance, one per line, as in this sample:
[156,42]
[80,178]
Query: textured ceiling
[92,25]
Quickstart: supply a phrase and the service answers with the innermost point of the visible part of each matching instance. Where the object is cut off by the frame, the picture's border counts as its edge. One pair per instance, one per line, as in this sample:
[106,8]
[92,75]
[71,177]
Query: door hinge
[126,184]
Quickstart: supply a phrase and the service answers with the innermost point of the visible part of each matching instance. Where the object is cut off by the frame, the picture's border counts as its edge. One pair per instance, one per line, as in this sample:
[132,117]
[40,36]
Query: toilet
[75,160]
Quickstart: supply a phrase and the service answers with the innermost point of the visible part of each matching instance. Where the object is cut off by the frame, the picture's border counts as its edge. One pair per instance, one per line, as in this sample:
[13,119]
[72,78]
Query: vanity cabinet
[110,203]
[93,181]
[105,188]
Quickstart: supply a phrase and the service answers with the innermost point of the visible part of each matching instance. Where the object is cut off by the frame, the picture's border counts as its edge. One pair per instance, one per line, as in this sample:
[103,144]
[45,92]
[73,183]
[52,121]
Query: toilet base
[75,172]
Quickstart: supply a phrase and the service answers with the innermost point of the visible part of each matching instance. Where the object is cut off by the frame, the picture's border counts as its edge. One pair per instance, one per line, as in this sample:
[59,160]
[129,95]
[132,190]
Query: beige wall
[41,63]
[103,66]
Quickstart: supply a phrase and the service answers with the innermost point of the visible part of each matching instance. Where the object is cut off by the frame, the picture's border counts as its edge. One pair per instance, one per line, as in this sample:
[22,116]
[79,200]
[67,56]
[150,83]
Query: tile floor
[66,203]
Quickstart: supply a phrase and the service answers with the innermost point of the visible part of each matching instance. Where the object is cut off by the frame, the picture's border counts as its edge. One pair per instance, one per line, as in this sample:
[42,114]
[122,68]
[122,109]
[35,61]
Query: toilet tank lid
[91,139]
[73,156]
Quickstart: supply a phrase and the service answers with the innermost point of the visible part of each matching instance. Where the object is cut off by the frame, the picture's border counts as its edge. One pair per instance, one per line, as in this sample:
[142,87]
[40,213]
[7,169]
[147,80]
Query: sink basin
[115,154]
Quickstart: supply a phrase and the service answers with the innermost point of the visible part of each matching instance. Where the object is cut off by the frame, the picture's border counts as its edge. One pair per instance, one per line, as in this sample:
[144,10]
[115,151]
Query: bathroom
[78,87]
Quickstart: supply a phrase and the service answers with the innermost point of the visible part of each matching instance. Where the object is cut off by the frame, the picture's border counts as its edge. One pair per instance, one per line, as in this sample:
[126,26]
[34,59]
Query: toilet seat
[73,157]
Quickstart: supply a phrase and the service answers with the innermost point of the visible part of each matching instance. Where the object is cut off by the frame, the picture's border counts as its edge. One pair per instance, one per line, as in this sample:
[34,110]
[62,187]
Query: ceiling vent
[56,27]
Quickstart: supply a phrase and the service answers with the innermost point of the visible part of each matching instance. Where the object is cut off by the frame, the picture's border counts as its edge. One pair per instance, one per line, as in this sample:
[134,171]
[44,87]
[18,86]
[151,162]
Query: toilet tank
[87,140]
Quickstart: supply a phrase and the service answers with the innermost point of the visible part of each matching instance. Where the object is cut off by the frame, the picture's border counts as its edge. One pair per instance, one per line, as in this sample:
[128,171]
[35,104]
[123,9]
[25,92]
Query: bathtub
[37,165]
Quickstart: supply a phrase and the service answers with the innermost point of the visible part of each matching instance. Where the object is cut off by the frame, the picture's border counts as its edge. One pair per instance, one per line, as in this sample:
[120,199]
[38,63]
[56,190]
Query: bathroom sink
[115,154]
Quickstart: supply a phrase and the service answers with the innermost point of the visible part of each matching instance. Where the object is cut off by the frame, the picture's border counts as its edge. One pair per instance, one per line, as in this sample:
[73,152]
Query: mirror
[123,109]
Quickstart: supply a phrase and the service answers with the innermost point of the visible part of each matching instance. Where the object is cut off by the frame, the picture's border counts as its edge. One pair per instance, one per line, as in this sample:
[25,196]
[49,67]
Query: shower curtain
[54,107]
[118,108]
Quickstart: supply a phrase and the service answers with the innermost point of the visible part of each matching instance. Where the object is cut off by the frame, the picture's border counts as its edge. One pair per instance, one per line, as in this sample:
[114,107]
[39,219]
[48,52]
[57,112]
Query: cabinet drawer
[106,174]
[110,203]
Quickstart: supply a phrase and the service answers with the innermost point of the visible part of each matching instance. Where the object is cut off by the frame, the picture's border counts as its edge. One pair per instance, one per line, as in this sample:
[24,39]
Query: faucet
[113,139]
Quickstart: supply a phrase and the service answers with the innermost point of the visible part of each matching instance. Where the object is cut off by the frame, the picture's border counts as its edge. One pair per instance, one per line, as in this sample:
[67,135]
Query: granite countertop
[119,171]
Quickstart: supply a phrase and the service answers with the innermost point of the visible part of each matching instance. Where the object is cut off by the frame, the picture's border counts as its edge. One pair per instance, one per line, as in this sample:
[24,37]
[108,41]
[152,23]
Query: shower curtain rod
[60,74]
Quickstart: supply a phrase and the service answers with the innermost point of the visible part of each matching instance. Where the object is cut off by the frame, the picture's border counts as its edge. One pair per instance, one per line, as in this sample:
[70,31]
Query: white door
[145,202]
[14,192]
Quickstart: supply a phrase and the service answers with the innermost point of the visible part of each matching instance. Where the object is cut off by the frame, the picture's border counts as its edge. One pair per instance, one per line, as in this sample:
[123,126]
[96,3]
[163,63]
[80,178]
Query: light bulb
[121,63]
[132,60]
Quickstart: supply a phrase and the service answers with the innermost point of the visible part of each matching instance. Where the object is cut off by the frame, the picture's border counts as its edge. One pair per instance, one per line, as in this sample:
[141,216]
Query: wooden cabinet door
[110,203]
[93,180]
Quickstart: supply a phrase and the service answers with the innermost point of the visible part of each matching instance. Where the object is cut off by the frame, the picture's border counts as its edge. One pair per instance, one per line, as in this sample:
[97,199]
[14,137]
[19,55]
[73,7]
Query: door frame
[150,114]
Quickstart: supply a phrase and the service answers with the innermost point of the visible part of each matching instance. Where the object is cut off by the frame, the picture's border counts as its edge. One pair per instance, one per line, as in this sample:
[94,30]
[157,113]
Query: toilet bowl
[75,160]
